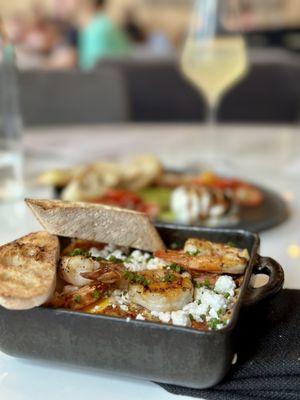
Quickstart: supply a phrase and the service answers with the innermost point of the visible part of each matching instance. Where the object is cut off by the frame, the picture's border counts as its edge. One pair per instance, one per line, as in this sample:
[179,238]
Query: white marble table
[268,155]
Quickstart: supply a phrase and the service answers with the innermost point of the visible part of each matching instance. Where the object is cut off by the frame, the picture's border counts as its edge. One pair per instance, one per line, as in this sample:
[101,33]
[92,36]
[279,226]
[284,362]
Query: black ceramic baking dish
[153,351]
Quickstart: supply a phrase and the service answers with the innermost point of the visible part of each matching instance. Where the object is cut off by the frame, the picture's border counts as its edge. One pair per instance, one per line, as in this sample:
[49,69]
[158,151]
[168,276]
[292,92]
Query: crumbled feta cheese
[139,255]
[137,261]
[162,316]
[213,301]
[117,254]
[95,252]
[108,251]
[156,263]
[180,318]
[140,317]
[207,305]
[125,297]
[196,310]
[121,298]
[225,284]
[191,249]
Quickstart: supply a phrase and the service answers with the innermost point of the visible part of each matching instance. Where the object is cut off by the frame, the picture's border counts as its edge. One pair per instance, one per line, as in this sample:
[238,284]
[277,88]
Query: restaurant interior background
[49,36]
[77,89]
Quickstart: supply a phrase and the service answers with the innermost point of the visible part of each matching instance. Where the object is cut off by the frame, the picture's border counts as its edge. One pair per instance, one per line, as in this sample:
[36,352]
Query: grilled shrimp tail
[108,273]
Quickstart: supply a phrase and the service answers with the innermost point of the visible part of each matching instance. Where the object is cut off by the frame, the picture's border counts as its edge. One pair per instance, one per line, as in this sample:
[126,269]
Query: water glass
[11,154]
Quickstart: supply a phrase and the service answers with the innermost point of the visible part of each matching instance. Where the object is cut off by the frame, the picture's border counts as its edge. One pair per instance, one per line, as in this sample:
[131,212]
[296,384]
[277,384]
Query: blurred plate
[272,212]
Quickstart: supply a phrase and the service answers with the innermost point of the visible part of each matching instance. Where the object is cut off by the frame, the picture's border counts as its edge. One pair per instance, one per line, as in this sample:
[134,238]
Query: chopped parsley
[127,259]
[191,317]
[169,277]
[77,299]
[96,294]
[176,267]
[213,323]
[80,252]
[226,295]
[133,277]
[203,316]
[115,259]
[205,283]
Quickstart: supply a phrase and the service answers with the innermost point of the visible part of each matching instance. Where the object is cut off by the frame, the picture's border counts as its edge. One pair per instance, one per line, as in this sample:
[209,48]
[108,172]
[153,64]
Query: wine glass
[214,55]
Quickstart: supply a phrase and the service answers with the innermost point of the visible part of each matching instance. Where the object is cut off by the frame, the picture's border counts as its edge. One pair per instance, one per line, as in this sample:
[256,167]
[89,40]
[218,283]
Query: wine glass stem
[212,113]
[211,120]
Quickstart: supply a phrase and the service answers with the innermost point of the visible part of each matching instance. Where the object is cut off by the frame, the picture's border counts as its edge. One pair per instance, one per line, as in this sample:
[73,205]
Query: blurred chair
[158,91]
[73,97]
[270,92]
[155,91]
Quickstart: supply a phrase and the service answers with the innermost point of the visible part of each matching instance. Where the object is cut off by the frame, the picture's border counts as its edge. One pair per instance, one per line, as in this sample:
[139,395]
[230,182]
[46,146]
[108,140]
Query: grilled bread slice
[97,222]
[28,270]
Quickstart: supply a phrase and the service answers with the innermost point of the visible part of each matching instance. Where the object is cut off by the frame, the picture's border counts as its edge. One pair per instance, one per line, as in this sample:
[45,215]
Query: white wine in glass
[214,65]
[214,55]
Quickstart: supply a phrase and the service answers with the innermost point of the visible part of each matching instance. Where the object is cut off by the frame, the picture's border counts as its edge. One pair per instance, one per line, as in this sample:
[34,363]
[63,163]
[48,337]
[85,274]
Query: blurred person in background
[16,27]
[137,35]
[160,45]
[59,46]
[64,14]
[100,37]
[146,43]
[43,41]
[45,46]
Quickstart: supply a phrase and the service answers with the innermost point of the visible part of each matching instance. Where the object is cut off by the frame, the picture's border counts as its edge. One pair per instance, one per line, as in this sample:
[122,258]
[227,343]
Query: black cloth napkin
[268,365]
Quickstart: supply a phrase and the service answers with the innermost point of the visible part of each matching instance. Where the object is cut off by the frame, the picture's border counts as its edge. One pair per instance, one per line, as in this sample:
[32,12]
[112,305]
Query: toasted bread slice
[28,270]
[97,222]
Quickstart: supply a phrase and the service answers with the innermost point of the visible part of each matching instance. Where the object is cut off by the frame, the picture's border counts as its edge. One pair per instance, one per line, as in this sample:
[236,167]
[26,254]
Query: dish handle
[270,267]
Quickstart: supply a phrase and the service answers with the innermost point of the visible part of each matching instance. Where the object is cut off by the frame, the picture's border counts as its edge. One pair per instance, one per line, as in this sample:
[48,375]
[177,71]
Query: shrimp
[71,268]
[189,262]
[156,290]
[202,255]
[165,291]
[205,247]
[80,297]
[109,272]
